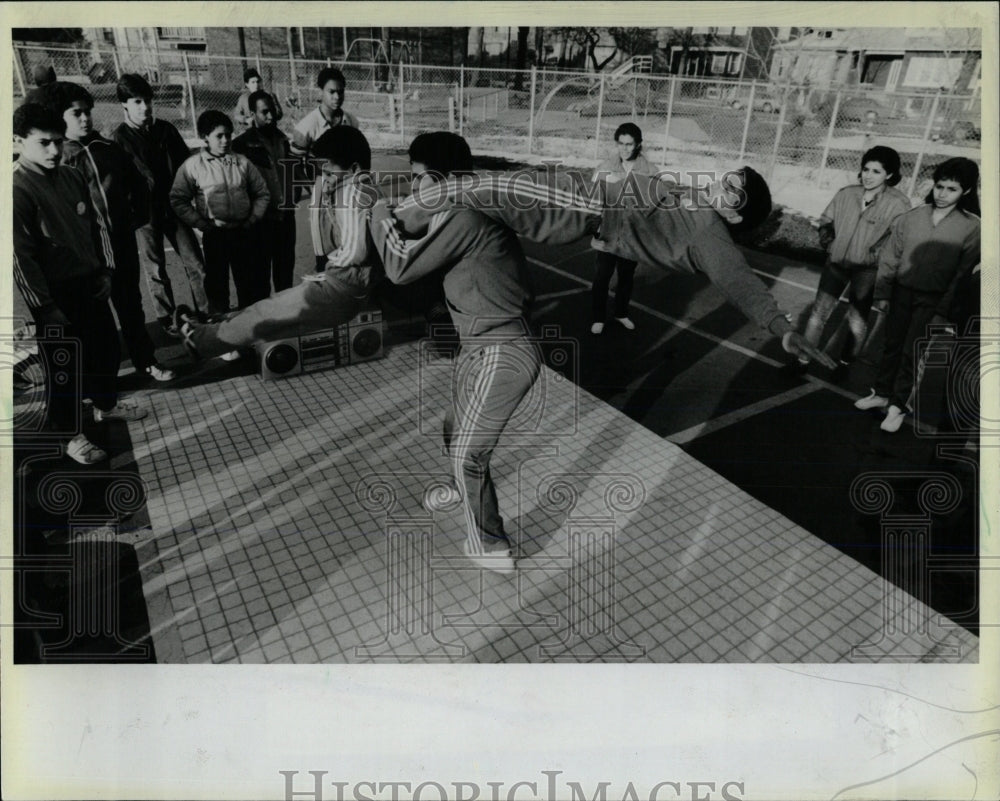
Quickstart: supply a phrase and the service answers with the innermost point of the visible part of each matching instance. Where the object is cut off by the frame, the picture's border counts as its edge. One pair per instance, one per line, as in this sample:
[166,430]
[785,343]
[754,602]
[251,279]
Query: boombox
[359,340]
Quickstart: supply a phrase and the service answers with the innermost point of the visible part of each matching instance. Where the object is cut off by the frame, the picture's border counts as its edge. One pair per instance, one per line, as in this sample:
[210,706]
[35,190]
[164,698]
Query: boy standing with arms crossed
[159,151]
[62,266]
[268,150]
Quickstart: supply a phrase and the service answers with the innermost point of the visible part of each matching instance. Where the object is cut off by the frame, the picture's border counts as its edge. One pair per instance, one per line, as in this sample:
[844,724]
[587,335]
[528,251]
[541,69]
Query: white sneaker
[893,419]
[441,497]
[124,410]
[627,324]
[872,401]
[596,328]
[232,356]
[499,561]
[159,373]
[82,450]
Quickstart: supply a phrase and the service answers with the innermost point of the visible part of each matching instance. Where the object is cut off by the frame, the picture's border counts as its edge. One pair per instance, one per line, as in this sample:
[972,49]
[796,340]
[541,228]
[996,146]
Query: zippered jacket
[226,188]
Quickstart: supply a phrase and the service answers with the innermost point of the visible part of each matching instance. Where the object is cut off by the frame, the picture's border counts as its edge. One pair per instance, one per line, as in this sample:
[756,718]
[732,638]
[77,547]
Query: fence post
[392,113]
[635,93]
[600,111]
[531,108]
[777,136]
[402,106]
[18,71]
[670,112]
[187,77]
[451,114]
[292,77]
[923,143]
[746,122]
[117,63]
[260,69]
[829,138]
[461,97]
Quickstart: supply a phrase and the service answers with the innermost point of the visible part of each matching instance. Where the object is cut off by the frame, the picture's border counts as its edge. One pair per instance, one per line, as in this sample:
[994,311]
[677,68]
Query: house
[891,59]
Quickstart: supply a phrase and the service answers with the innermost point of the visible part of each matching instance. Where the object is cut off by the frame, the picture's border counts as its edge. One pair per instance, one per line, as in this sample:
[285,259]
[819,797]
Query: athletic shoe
[597,328]
[232,356]
[441,497]
[82,450]
[893,419]
[124,410]
[499,561]
[872,401]
[158,372]
[627,324]
[184,320]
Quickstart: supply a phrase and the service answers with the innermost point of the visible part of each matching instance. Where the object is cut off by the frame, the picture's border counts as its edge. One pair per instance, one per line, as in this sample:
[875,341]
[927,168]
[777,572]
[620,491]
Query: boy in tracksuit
[223,195]
[121,194]
[158,150]
[488,293]
[63,262]
[268,150]
[670,228]
[323,300]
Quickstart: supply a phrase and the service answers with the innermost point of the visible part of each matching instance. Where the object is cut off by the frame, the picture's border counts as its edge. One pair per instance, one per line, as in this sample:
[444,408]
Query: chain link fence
[801,138]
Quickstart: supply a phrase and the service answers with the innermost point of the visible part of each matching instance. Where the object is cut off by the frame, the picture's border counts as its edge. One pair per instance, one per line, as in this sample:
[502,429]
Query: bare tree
[634,41]
[590,38]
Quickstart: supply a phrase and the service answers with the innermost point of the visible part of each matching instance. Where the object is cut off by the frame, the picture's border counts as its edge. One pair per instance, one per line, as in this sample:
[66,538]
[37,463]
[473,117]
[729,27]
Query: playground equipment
[384,71]
[622,79]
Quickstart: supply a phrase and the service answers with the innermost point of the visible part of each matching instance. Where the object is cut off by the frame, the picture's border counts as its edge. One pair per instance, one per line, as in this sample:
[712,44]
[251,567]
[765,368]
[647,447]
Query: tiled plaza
[287,526]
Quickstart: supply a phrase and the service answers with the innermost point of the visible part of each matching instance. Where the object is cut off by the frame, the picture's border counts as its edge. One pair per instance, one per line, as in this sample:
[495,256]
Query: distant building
[891,59]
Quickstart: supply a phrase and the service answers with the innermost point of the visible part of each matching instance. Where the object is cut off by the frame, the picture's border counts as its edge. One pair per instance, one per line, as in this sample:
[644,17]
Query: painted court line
[704,334]
[741,414]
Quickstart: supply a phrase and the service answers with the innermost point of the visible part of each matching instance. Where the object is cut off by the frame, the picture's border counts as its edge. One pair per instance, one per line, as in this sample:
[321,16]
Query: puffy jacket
[226,188]
[858,232]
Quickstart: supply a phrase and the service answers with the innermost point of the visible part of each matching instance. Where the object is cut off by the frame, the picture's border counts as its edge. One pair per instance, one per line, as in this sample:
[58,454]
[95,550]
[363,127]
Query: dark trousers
[126,296]
[82,360]
[607,263]
[909,313]
[278,243]
[150,241]
[236,250]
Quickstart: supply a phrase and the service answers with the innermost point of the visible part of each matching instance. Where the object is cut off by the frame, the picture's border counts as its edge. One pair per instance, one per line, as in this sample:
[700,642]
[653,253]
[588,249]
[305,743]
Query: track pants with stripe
[309,306]
[490,381]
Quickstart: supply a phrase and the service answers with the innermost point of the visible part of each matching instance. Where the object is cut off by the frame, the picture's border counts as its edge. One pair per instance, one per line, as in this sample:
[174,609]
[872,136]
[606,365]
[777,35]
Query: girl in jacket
[611,175]
[927,255]
[852,228]
[226,197]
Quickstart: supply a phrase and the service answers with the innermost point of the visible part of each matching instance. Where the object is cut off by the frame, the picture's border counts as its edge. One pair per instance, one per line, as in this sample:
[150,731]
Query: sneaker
[597,328]
[158,372]
[232,356]
[124,410]
[441,497]
[499,561]
[872,401]
[893,419]
[82,450]
[626,323]
[184,321]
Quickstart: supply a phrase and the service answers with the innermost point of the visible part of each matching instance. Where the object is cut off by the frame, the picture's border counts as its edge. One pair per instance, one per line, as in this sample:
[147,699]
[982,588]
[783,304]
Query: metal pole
[118,64]
[746,123]
[18,70]
[777,135]
[291,64]
[670,113]
[923,143]
[402,105]
[600,110]
[451,114]
[461,97]
[531,107]
[635,92]
[260,69]
[187,77]
[829,138]
[345,43]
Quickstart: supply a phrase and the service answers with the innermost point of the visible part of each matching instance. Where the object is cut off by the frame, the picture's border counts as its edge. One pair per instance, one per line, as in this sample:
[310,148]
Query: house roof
[889,40]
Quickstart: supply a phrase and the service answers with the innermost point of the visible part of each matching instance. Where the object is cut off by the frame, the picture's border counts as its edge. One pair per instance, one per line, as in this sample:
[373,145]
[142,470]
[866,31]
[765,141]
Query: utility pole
[241,34]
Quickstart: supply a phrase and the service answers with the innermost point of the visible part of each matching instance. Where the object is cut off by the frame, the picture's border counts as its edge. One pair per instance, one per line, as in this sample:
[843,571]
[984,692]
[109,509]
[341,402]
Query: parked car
[767,101]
